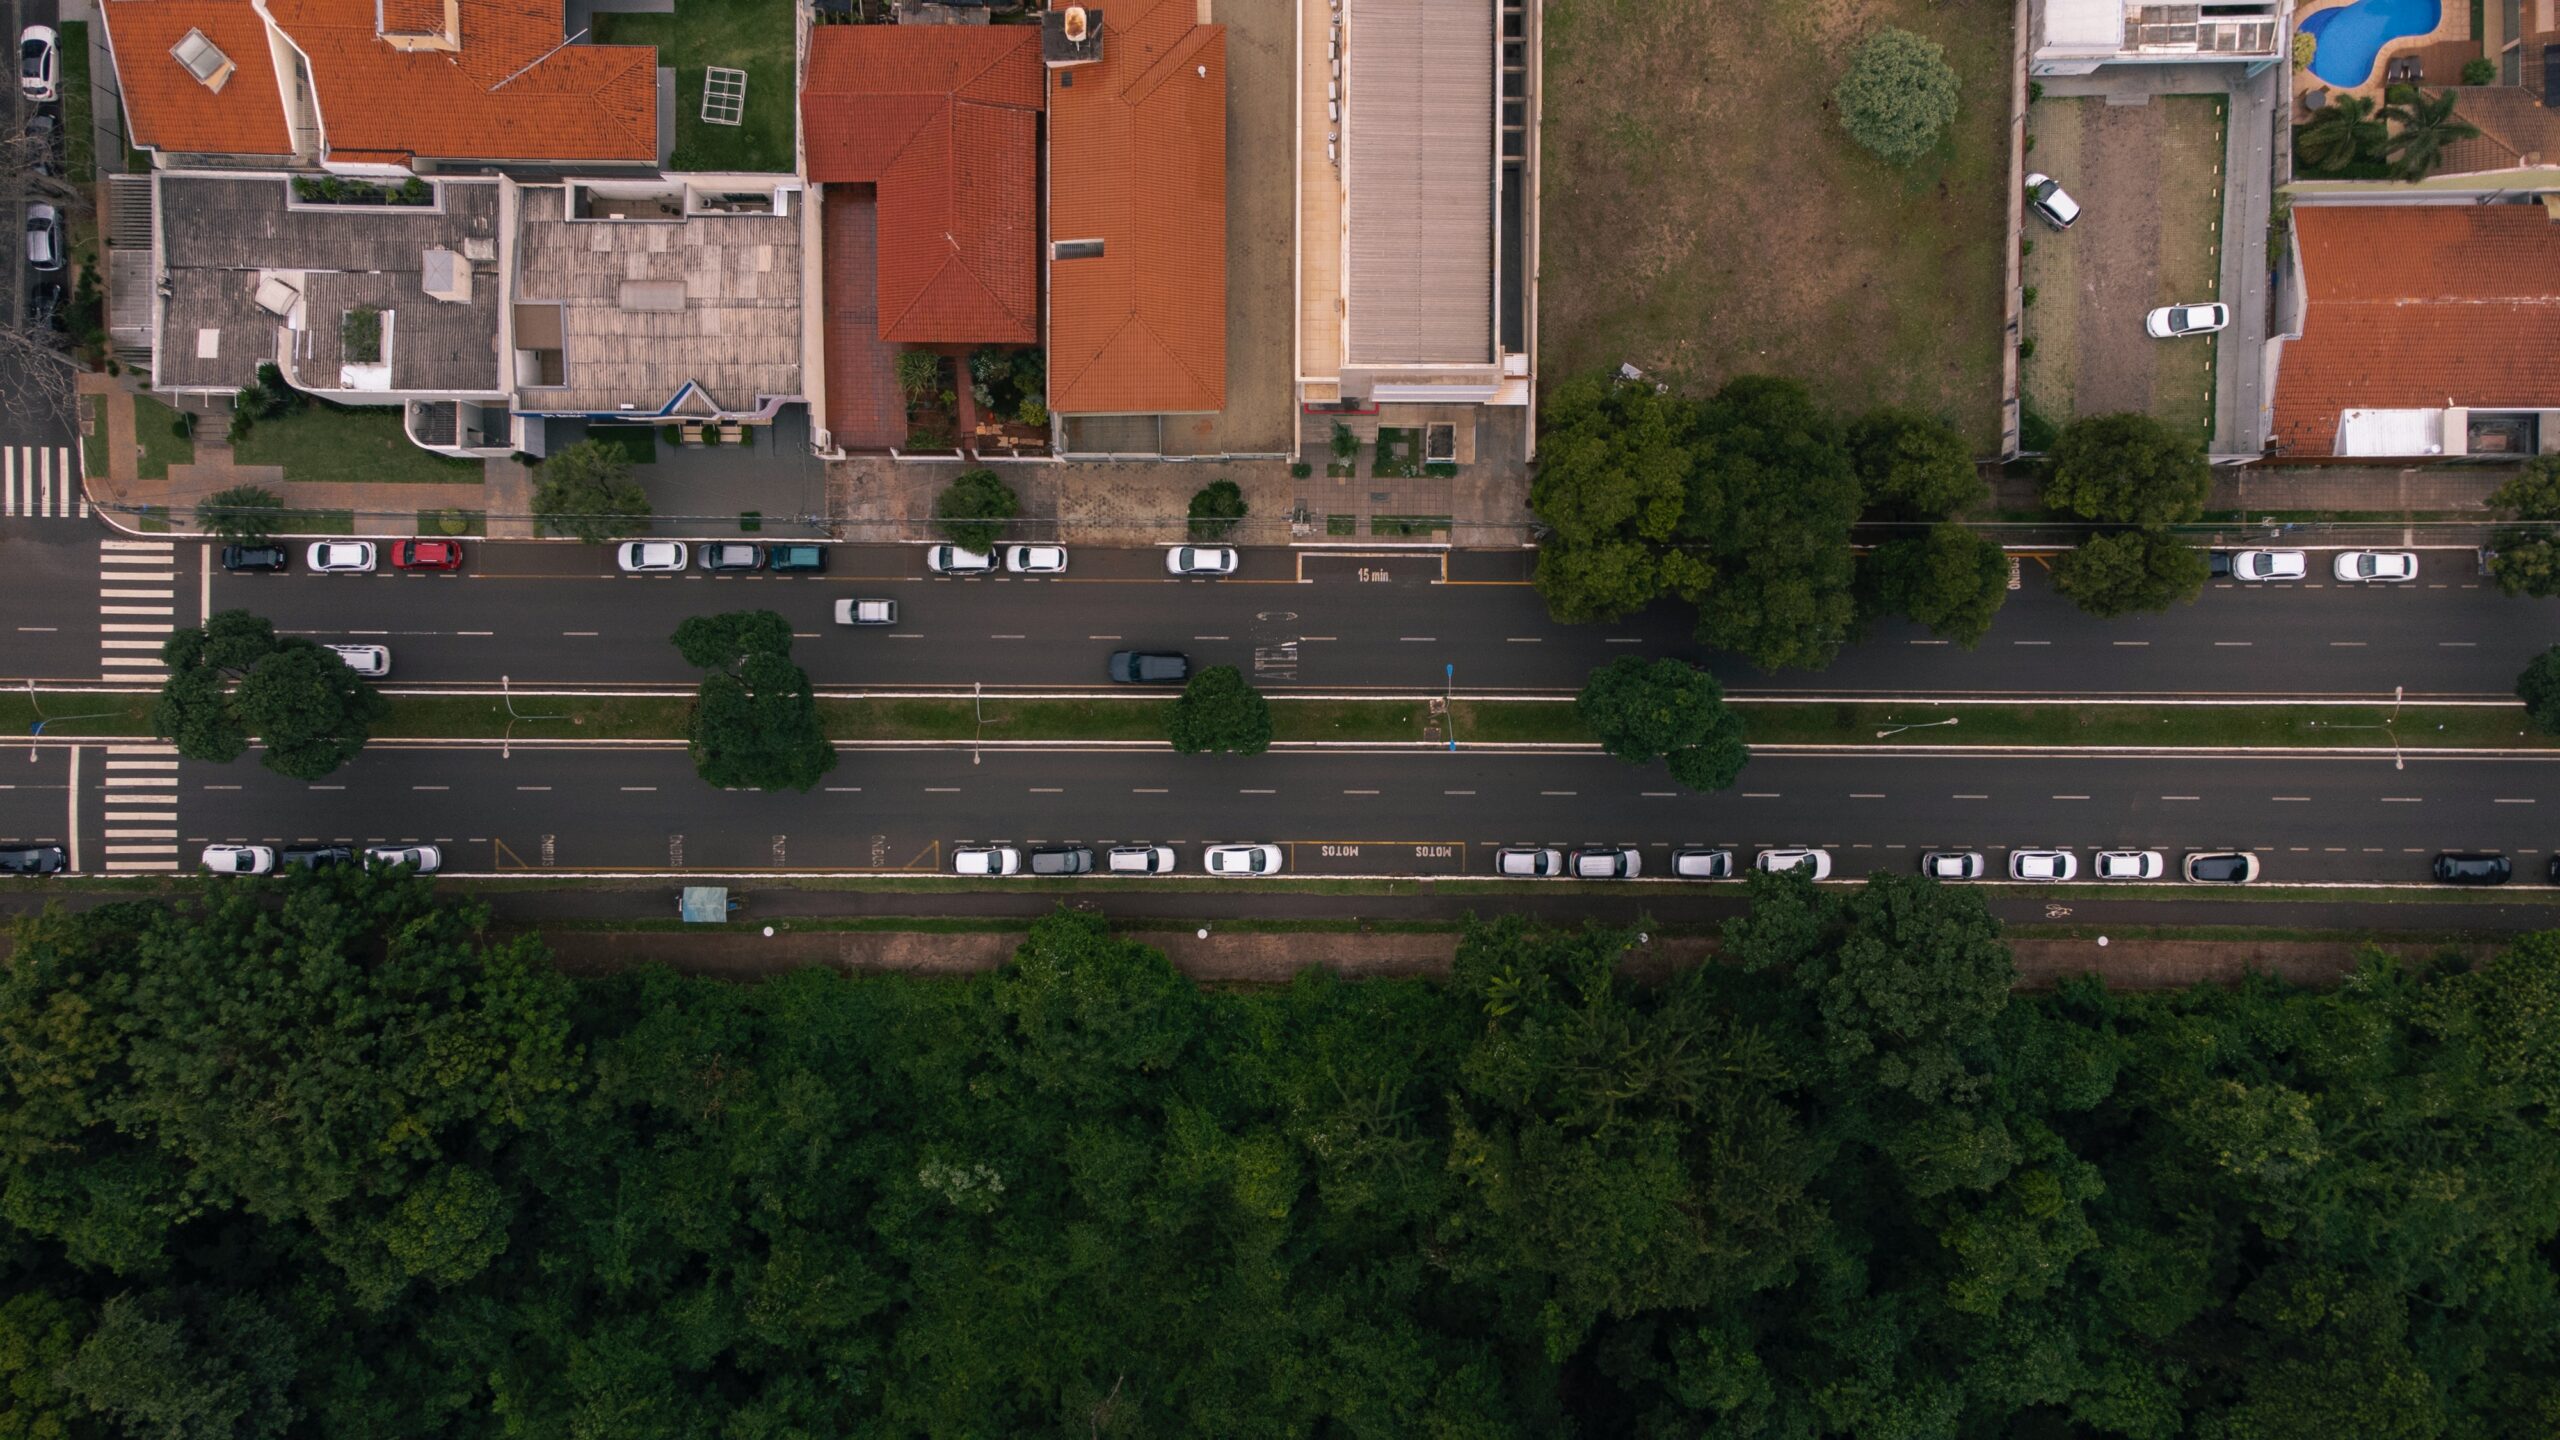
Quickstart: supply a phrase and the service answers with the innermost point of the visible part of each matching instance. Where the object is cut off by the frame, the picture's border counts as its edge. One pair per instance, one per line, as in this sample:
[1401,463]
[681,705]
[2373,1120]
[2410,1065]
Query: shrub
[928,439]
[1219,711]
[2483,71]
[242,422]
[1345,444]
[919,373]
[246,514]
[2027,348]
[2305,45]
[2127,469]
[2026,297]
[1300,470]
[360,335]
[1033,412]
[586,490]
[184,425]
[2036,434]
[2401,94]
[1216,510]
[1898,93]
[972,509]
[2539,688]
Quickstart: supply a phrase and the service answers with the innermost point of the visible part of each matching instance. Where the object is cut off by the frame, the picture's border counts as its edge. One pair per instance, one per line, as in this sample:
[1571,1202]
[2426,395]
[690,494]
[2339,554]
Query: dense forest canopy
[325,1157]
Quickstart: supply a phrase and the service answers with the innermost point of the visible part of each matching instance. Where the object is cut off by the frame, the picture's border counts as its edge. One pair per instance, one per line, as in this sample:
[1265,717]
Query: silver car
[370,661]
[2043,865]
[952,560]
[2129,865]
[1241,860]
[1702,864]
[425,859]
[1952,864]
[2047,198]
[651,557]
[1528,862]
[1607,862]
[2269,565]
[1813,864]
[1140,860]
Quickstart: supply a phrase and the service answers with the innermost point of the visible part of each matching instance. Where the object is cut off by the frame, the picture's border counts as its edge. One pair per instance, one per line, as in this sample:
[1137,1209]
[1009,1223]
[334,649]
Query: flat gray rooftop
[1417,163]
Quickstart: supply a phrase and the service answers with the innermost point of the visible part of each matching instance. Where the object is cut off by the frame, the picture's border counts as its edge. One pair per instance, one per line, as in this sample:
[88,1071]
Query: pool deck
[2441,51]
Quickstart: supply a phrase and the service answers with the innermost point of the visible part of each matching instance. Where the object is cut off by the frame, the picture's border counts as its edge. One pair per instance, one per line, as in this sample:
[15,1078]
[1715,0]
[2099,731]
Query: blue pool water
[2352,36]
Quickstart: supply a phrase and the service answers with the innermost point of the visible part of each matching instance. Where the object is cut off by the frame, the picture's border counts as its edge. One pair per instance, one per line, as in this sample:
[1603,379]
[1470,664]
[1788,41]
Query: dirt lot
[2149,179]
[1705,215]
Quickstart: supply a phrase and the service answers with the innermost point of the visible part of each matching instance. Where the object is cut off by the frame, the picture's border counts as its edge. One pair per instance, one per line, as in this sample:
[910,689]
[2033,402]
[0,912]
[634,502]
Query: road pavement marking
[1457,792]
[1359,792]
[1048,790]
[1102,637]
[2133,644]
[2233,644]
[1408,639]
[2503,801]
[1257,792]
[2177,797]
[1972,797]
[1865,795]
[1208,637]
[638,789]
[1759,794]
[1660,794]
[1017,637]
[1557,792]
[1925,642]
[1521,640]
[36,629]
[533,787]
[2457,644]
[430,787]
[2292,799]
[1614,640]
[474,632]
[2400,800]
[2020,642]
[137,610]
[578,634]
[929,789]
[2070,797]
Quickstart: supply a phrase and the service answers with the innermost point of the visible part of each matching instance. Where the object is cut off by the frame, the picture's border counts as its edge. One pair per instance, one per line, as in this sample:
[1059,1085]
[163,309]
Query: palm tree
[2340,134]
[2425,129]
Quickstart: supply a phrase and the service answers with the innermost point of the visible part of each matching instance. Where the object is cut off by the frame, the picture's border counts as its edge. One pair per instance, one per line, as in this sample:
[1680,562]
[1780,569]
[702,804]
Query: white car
[986,860]
[341,557]
[2356,567]
[952,560]
[2046,197]
[866,612]
[239,859]
[2171,322]
[2043,865]
[2270,565]
[1697,864]
[1816,864]
[1241,860]
[370,661]
[1952,864]
[651,557]
[44,237]
[2220,867]
[1528,862]
[1035,559]
[1606,862]
[1200,560]
[39,64]
[2129,865]
[426,859]
[1140,860]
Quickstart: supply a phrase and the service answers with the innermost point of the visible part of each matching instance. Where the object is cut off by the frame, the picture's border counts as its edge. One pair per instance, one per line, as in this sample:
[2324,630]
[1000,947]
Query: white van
[370,661]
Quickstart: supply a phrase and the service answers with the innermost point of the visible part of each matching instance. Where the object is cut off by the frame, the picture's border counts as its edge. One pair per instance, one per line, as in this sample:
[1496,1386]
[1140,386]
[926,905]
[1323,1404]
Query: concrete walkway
[2376,490]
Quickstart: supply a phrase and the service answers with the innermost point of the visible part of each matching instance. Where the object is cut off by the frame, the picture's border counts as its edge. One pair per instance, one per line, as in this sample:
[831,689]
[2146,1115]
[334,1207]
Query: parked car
[1149,667]
[952,560]
[1140,860]
[2455,867]
[239,859]
[866,612]
[1952,864]
[1528,862]
[651,557]
[313,857]
[1606,862]
[255,559]
[2128,865]
[2270,565]
[425,859]
[1241,860]
[2172,322]
[39,64]
[1061,860]
[2043,865]
[1200,560]
[44,138]
[339,557]
[796,559]
[2552,871]
[1814,863]
[370,661]
[986,860]
[2221,867]
[44,237]
[45,300]
[1699,864]
[2047,198]
[1035,559]
[427,555]
[729,555]
[33,860]
[2357,567]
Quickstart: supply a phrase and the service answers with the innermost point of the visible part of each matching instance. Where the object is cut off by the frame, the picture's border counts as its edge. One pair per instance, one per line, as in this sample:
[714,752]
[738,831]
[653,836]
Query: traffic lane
[1368,812]
[35,794]
[49,585]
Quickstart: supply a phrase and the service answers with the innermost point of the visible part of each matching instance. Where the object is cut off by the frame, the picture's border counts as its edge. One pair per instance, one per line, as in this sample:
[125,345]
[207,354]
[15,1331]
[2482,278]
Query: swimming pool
[2352,36]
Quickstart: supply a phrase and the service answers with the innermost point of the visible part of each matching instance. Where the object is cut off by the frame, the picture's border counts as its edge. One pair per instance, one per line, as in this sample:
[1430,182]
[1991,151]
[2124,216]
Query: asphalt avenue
[558,615]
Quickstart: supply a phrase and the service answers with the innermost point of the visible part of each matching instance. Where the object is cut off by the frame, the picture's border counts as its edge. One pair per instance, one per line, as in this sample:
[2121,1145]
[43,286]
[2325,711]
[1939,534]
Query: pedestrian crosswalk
[141,831]
[137,607]
[41,482]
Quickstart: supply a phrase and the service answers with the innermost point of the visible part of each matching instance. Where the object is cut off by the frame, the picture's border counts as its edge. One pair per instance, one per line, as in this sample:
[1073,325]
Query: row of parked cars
[2351,567]
[1192,561]
[266,859]
[1117,860]
[2218,867]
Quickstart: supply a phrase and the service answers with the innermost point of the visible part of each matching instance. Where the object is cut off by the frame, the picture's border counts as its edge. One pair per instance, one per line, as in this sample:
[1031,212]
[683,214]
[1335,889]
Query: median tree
[2539,688]
[586,490]
[972,510]
[2525,557]
[1646,710]
[1218,711]
[754,724]
[1771,498]
[2127,469]
[1612,484]
[1898,94]
[235,677]
[2111,575]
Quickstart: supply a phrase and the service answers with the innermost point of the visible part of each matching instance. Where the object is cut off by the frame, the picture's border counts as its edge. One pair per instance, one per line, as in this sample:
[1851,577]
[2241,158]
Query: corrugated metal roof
[1418,162]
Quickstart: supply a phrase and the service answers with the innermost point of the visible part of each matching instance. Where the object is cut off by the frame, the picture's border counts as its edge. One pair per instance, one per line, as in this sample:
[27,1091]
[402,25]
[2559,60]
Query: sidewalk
[2384,491]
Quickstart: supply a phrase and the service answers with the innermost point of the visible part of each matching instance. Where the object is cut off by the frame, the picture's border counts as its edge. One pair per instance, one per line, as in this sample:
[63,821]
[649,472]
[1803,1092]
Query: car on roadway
[1140,860]
[866,612]
[370,661]
[2378,567]
[1952,864]
[2043,865]
[44,304]
[2220,867]
[39,64]
[796,560]
[1816,864]
[986,860]
[2047,198]
[33,860]
[1148,667]
[1528,862]
[425,859]
[427,555]
[44,237]
[2172,322]
[1241,859]
[651,557]
[313,857]
[1061,860]
[255,559]
[1699,863]
[2270,565]
[1606,862]
[2457,867]
[239,859]
[2128,865]
[1197,560]
[1035,559]
[730,555]
[2552,872]
[952,560]
[339,557]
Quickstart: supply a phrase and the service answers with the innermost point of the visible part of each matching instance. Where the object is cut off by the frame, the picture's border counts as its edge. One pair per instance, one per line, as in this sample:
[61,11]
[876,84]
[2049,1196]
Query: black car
[2554,871]
[2217,563]
[2455,867]
[44,304]
[1061,860]
[33,860]
[312,857]
[1150,667]
[800,559]
[269,558]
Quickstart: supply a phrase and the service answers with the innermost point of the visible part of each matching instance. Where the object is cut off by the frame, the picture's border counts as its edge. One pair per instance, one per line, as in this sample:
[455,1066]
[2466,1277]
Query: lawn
[79,139]
[155,426]
[1706,215]
[326,442]
[750,35]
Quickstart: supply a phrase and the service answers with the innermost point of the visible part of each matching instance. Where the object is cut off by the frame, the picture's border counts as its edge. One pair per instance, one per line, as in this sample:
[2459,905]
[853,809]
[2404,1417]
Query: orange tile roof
[1138,160]
[169,109]
[2419,307]
[945,121]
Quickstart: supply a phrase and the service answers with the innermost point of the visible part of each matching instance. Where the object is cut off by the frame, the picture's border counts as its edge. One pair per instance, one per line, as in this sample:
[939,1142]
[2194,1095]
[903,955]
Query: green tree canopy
[2420,132]
[1771,500]
[1947,578]
[1897,95]
[754,723]
[244,514]
[718,641]
[1612,480]
[972,510]
[2539,688]
[2525,558]
[1913,466]
[1646,710]
[2111,575]
[1216,509]
[2346,130]
[2127,469]
[586,490]
[1219,711]
[306,706]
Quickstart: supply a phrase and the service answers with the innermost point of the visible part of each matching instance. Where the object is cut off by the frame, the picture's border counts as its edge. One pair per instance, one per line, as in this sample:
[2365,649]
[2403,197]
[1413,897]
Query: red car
[427,555]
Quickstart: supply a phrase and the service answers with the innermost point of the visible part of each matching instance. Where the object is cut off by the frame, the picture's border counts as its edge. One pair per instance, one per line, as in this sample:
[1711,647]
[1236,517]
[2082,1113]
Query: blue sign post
[1450,671]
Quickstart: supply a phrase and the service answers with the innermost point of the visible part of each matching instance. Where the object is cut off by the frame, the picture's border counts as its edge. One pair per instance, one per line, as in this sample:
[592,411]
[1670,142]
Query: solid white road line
[74,823]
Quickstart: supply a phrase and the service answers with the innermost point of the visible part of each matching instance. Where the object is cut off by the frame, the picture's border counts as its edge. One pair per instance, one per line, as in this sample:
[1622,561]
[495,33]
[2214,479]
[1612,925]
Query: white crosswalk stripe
[41,482]
[141,829]
[131,575]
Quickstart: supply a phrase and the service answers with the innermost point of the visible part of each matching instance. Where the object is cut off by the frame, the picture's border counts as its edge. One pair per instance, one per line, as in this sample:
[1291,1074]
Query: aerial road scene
[1352,718]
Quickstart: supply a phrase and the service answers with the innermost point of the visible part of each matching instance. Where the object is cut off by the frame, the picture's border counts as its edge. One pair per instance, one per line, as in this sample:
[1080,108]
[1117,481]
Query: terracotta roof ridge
[950,262]
[995,59]
[1076,378]
[1169,64]
[1198,382]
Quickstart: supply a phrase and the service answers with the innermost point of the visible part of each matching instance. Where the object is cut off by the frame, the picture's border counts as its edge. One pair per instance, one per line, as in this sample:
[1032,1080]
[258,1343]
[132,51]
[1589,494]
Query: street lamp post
[1917,725]
[1449,698]
[506,696]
